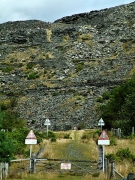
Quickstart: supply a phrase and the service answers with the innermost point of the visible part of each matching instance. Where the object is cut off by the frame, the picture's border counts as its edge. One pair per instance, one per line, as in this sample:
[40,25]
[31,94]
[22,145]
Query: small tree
[119,109]
[6,146]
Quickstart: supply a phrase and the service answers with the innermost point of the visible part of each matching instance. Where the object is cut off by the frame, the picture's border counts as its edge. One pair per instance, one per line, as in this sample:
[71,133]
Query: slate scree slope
[58,70]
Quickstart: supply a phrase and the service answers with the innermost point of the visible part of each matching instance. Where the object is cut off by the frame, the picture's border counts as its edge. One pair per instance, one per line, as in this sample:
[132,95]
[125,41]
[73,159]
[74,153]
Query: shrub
[86,135]
[79,67]
[33,121]
[110,157]
[8,103]
[106,95]
[96,135]
[6,147]
[7,69]
[18,136]
[32,75]
[51,135]
[124,153]
[113,141]
[74,60]
[4,106]
[81,126]
[29,66]
[53,139]
[55,94]
[96,174]
[45,71]
[85,37]
[100,100]
[66,136]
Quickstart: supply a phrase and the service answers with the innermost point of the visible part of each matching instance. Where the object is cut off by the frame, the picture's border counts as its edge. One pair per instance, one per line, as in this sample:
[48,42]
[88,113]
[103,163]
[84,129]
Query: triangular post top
[31,135]
[103,136]
[101,120]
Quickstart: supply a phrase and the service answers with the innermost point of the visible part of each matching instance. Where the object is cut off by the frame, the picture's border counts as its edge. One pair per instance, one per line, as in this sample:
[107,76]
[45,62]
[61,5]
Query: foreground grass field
[50,176]
[82,143]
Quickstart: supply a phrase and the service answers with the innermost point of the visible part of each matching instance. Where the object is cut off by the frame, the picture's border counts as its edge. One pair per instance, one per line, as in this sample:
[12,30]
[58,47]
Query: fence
[118,132]
[72,167]
[61,165]
[112,173]
[77,167]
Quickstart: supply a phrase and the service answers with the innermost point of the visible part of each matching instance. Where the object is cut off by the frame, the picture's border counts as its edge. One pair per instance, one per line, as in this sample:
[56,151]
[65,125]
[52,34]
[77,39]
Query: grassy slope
[77,148]
[67,148]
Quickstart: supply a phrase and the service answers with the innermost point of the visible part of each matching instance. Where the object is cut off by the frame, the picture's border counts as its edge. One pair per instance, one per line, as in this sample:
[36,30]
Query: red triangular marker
[103,136]
[31,135]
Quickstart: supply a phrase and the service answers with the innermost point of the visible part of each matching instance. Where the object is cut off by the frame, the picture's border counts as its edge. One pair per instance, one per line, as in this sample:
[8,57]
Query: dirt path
[75,148]
[70,149]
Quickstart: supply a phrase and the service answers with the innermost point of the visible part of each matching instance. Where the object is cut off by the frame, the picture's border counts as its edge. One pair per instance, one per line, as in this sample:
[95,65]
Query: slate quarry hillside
[58,70]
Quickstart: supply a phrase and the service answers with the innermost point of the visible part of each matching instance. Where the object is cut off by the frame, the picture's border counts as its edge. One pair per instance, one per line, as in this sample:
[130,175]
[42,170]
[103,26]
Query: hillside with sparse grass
[60,70]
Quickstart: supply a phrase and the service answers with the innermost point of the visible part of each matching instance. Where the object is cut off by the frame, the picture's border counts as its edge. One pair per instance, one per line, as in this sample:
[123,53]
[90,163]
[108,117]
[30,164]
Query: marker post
[31,139]
[103,140]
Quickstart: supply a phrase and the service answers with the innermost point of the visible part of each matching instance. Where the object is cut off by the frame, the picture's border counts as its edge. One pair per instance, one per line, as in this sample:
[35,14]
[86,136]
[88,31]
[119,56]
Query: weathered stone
[58,70]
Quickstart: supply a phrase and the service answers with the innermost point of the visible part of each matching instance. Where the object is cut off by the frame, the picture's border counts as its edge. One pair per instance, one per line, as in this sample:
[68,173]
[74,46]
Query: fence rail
[80,167]
[54,165]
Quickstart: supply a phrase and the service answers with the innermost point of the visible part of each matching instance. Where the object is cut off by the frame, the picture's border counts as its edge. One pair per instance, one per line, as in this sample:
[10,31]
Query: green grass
[57,176]
[82,143]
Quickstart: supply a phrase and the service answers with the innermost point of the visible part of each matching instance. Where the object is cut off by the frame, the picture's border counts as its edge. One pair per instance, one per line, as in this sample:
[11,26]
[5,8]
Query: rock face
[58,70]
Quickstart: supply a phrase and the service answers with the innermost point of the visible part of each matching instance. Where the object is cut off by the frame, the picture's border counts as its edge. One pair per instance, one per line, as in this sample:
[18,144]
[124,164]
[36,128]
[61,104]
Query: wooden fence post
[119,132]
[107,167]
[0,171]
[33,165]
[112,169]
[132,130]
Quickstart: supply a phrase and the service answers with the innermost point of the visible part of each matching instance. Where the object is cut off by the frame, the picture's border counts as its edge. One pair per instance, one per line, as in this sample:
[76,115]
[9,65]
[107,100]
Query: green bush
[55,94]
[96,135]
[4,106]
[81,126]
[6,147]
[8,103]
[32,75]
[33,121]
[99,99]
[96,174]
[113,141]
[86,135]
[7,69]
[29,66]
[66,136]
[79,66]
[53,139]
[18,137]
[12,121]
[110,157]
[51,134]
[124,153]
[74,60]
[106,95]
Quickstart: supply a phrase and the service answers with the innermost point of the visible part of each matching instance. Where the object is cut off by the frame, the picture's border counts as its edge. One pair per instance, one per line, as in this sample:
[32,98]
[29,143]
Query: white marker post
[31,139]
[101,123]
[103,140]
[47,123]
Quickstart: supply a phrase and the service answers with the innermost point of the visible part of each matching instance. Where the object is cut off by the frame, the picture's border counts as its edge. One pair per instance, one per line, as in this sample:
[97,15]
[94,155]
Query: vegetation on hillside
[6,145]
[117,110]
[13,132]
[118,107]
